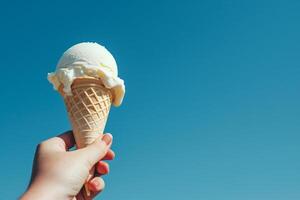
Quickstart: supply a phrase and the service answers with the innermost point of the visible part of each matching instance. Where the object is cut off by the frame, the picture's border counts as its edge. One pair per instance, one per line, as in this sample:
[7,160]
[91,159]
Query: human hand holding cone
[86,77]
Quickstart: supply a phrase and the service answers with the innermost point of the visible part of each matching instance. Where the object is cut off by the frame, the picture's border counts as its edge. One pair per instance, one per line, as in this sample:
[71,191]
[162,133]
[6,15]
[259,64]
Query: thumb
[97,150]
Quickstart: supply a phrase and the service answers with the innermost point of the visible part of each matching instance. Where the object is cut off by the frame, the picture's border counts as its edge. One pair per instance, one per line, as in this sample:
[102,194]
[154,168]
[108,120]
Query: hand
[60,174]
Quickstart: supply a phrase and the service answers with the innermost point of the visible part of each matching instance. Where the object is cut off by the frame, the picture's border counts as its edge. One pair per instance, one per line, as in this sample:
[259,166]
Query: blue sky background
[212,109]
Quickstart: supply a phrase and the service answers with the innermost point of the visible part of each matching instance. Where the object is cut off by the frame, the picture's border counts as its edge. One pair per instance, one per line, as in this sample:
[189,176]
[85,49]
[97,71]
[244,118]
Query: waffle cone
[88,108]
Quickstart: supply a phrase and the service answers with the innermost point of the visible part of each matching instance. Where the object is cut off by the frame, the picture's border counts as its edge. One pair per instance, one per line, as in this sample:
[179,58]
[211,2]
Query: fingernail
[107,138]
[95,183]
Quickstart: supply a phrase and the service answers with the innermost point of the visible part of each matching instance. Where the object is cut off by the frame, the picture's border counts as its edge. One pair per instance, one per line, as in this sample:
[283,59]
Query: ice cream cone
[88,108]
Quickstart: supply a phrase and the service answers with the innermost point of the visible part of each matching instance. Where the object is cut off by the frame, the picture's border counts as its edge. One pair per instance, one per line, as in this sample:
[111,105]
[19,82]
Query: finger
[97,150]
[102,167]
[80,195]
[96,184]
[110,155]
[68,139]
[62,142]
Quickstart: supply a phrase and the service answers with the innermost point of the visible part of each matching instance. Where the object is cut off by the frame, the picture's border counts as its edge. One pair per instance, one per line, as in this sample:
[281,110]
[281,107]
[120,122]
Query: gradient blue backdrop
[212,109]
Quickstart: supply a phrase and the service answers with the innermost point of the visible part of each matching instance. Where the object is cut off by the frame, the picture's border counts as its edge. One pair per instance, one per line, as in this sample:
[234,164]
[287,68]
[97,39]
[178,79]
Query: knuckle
[42,146]
[102,152]
[89,162]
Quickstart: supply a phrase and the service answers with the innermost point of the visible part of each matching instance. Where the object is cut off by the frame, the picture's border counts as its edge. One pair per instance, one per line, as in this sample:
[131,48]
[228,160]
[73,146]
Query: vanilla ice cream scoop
[88,60]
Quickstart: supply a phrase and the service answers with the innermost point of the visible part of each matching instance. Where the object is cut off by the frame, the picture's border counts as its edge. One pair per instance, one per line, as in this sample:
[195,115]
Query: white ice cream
[88,60]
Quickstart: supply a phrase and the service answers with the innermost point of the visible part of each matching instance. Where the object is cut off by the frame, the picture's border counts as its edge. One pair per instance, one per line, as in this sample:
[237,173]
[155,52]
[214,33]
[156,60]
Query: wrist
[39,190]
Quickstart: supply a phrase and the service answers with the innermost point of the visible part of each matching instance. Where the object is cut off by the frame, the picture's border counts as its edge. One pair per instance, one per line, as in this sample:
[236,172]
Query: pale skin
[60,174]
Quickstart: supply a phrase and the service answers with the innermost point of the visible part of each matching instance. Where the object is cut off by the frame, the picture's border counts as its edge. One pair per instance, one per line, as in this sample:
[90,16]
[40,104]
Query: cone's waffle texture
[88,109]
